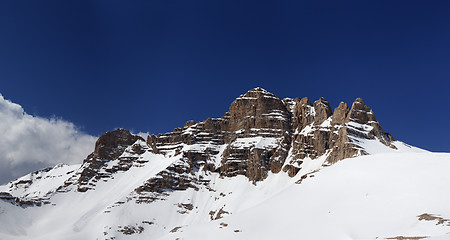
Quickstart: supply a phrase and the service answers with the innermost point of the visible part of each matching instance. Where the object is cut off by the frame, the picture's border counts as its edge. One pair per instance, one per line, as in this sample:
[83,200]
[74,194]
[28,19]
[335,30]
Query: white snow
[374,146]
[246,98]
[376,196]
[307,130]
[273,97]
[256,142]
[326,123]
[43,182]
[368,197]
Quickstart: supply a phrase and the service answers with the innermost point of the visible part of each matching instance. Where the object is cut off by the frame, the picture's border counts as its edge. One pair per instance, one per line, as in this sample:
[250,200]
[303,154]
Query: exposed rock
[189,123]
[360,113]
[431,217]
[302,113]
[184,208]
[22,201]
[322,111]
[214,215]
[175,229]
[109,146]
[331,134]
[129,230]
[408,238]
[257,109]
[257,113]
[151,142]
[340,113]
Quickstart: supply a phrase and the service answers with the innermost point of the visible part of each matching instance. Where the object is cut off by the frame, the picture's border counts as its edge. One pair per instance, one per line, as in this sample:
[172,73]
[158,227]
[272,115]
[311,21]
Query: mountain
[268,168]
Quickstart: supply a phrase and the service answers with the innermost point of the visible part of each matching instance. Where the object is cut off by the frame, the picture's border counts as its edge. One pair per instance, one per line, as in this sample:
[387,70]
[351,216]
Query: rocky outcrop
[112,144]
[322,111]
[363,115]
[109,146]
[255,115]
[255,133]
[331,135]
[257,109]
[21,201]
[302,112]
[340,114]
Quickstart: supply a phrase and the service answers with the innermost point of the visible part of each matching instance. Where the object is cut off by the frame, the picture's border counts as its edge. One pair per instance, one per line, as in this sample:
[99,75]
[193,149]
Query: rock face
[109,146]
[257,114]
[251,139]
[112,144]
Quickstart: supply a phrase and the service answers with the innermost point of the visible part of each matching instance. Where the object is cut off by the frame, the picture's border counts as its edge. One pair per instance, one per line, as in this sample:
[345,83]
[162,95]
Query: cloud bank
[29,143]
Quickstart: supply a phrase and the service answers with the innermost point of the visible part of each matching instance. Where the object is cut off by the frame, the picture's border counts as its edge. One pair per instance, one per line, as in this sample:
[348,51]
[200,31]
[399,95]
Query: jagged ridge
[260,130]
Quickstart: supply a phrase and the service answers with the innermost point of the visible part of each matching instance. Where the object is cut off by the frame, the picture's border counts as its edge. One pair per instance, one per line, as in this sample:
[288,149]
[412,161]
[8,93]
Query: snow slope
[379,196]
[369,197]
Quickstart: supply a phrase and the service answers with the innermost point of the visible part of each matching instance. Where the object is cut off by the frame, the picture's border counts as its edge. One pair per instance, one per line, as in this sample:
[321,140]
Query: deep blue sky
[153,65]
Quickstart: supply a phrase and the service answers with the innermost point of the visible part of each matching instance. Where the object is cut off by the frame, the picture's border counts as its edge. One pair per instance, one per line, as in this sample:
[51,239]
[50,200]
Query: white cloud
[29,143]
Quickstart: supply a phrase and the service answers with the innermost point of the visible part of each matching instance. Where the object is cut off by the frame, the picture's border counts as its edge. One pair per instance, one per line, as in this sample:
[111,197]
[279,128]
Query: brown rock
[151,142]
[108,147]
[322,109]
[361,113]
[189,123]
[111,145]
[302,114]
[257,109]
[340,113]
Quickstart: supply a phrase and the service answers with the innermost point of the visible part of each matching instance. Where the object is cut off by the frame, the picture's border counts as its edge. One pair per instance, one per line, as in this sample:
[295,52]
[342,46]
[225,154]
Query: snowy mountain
[269,168]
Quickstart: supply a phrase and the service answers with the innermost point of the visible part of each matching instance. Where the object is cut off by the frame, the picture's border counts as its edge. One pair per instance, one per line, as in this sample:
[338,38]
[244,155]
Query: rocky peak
[361,113]
[112,144]
[322,109]
[304,101]
[362,123]
[340,113]
[109,146]
[257,93]
[257,109]
[302,114]
[257,129]
[189,123]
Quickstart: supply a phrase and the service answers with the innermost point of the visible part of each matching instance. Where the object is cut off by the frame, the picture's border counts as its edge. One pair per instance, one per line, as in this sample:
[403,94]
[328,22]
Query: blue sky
[149,66]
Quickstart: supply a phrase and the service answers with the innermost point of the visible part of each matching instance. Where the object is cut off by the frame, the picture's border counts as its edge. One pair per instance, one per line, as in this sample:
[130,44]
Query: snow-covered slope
[380,196]
[383,196]
[268,169]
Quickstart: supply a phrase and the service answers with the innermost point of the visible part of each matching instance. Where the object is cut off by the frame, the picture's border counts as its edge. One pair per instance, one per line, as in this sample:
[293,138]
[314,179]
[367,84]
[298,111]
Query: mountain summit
[262,133]
[200,174]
